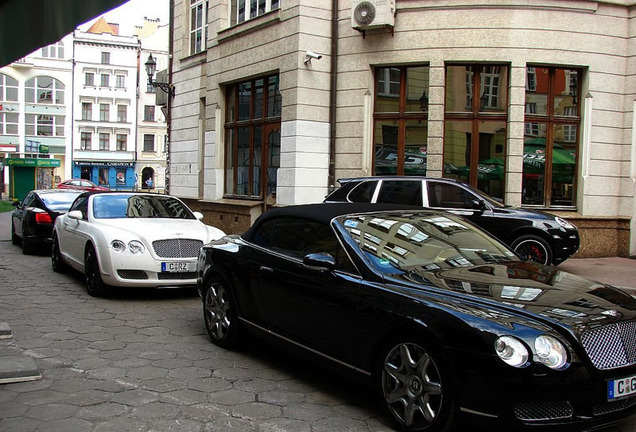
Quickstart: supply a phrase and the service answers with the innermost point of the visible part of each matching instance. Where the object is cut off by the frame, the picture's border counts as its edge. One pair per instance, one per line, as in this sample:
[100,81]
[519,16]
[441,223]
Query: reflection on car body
[441,317]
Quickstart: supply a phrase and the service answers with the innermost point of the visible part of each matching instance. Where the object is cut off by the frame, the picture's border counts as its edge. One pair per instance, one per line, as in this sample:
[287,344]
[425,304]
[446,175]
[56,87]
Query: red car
[81,184]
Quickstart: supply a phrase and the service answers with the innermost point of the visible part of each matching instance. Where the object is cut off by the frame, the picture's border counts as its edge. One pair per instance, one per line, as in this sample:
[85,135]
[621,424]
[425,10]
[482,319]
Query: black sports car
[533,234]
[33,218]
[441,317]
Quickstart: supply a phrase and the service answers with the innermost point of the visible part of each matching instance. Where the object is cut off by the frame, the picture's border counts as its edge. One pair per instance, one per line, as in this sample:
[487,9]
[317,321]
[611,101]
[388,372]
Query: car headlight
[512,351]
[118,245]
[551,352]
[136,247]
[565,224]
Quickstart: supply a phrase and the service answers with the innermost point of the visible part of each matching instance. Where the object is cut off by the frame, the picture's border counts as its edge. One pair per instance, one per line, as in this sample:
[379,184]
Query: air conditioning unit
[370,14]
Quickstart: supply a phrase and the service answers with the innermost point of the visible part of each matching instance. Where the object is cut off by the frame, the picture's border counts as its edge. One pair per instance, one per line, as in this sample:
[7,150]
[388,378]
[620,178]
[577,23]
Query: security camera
[312,55]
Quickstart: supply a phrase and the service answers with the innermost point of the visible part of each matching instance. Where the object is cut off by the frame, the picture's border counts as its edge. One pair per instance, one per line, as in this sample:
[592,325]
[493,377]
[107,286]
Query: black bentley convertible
[442,318]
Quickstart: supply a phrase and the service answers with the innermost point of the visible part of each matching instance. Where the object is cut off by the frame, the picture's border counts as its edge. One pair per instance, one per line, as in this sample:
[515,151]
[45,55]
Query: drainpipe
[333,95]
[168,113]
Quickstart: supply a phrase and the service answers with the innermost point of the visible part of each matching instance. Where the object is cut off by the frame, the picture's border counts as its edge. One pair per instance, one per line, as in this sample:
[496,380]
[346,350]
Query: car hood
[157,229]
[531,290]
[524,213]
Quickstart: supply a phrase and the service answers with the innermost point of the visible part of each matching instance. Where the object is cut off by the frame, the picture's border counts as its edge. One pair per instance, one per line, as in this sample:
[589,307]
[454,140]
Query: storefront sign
[40,163]
[103,163]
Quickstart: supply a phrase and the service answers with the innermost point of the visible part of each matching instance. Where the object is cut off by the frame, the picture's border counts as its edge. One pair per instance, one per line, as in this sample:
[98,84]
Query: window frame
[8,82]
[149,113]
[104,141]
[248,13]
[34,90]
[122,142]
[86,139]
[149,139]
[198,32]
[104,112]
[87,111]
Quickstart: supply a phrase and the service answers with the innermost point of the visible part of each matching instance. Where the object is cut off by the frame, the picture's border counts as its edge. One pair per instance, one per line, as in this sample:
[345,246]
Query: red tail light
[43,219]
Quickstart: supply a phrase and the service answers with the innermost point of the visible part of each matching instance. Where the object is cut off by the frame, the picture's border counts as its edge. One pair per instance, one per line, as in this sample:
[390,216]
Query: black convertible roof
[325,212]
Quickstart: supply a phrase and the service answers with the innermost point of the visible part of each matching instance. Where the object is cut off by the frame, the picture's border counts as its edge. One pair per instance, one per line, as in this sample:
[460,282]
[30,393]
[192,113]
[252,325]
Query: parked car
[33,218]
[533,234]
[440,316]
[81,184]
[131,240]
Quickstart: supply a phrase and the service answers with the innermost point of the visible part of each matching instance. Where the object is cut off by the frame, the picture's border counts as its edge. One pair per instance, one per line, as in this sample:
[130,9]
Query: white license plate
[620,388]
[178,267]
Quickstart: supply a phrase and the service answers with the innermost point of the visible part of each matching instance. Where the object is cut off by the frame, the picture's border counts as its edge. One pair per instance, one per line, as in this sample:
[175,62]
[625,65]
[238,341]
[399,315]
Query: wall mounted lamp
[151,67]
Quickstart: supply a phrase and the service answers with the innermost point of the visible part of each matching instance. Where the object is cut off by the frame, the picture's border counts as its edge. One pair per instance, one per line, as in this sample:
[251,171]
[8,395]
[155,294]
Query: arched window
[8,88]
[44,90]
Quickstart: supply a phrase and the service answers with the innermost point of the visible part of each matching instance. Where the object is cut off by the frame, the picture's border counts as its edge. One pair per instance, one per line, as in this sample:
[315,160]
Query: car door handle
[266,269]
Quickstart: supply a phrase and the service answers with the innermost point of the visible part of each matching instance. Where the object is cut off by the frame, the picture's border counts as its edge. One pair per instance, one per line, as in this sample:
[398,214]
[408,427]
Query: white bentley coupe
[130,239]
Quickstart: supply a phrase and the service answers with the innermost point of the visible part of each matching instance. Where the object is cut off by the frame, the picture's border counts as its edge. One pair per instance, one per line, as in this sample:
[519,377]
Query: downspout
[333,95]
[169,97]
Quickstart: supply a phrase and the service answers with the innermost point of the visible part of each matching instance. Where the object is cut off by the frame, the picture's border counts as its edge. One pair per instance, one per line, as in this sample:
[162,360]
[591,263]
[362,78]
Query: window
[89,79]
[401,192]
[8,88]
[105,58]
[45,125]
[8,123]
[531,79]
[243,10]
[149,113]
[122,140]
[297,237]
[104,112]
[87,111]
[85,141]
[105,80]
[149,143]
[120,81]
[444,195]
[475,127]
[122,113]
[198,25]
[400,120]
[44,90]
[104,141]
[54,51]
[531,129]
[253,137]
[150,88]
[103,176]
[550,155]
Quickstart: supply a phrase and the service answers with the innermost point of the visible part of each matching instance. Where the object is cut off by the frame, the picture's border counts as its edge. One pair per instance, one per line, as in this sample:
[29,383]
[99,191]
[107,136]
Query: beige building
[531,101]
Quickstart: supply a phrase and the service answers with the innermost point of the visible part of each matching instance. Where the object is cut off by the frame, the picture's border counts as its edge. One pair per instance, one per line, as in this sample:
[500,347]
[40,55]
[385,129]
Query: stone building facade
[531,101]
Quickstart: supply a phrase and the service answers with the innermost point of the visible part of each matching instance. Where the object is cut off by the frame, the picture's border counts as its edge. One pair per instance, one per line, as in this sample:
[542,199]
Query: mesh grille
[611,346]
[538,411]
[132,274]
[614,406]
[177,248]
[176,276]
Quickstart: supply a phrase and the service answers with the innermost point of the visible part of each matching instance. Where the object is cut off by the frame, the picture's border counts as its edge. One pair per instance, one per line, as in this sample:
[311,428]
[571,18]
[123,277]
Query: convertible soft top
[325,212]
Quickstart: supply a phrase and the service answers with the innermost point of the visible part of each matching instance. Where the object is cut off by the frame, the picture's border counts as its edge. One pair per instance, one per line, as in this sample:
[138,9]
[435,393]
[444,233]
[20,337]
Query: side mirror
[75,214]
[320,261]
[479,205]
[198,215]
[16,203]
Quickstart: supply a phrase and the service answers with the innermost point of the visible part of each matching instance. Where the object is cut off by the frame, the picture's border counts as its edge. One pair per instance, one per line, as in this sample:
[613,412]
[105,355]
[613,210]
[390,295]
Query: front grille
[177,248]
[614,406]
[132,274]
[611,346]
[177,276]
[542,411]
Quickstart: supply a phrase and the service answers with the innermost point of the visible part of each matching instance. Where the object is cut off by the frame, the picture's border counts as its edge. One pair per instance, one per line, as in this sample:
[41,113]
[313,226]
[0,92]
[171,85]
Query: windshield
[117,206]
[399,243]
[59,201]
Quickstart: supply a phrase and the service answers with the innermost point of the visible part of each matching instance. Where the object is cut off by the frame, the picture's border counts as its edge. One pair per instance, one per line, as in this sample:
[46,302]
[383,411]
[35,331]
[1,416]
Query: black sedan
[442,318]
[533,234]
[33,218]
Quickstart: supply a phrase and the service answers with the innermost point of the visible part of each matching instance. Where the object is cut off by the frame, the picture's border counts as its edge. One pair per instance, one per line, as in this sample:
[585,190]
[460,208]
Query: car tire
[95,286]
[27,247]
[57,263]
[414,387]
[220,314]
[533,248]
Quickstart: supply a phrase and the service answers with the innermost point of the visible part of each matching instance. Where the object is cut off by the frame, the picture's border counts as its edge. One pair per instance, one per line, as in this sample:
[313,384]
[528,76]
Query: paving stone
[17,369]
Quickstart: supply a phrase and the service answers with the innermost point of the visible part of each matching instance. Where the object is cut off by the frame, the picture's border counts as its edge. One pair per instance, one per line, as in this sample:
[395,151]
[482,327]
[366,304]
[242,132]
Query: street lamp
[151,67]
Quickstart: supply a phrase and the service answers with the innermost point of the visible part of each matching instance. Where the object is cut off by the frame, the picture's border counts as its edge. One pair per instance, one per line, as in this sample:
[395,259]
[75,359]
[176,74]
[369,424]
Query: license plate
[620,388]
[178,267]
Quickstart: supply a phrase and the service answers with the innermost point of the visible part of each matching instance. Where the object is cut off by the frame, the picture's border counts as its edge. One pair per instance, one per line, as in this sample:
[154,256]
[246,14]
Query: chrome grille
[611,346]
[177,248]
[542,411]
[613,406]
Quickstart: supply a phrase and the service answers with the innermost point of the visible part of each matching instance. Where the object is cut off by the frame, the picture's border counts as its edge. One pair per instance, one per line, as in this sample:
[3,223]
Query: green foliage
[6,206]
